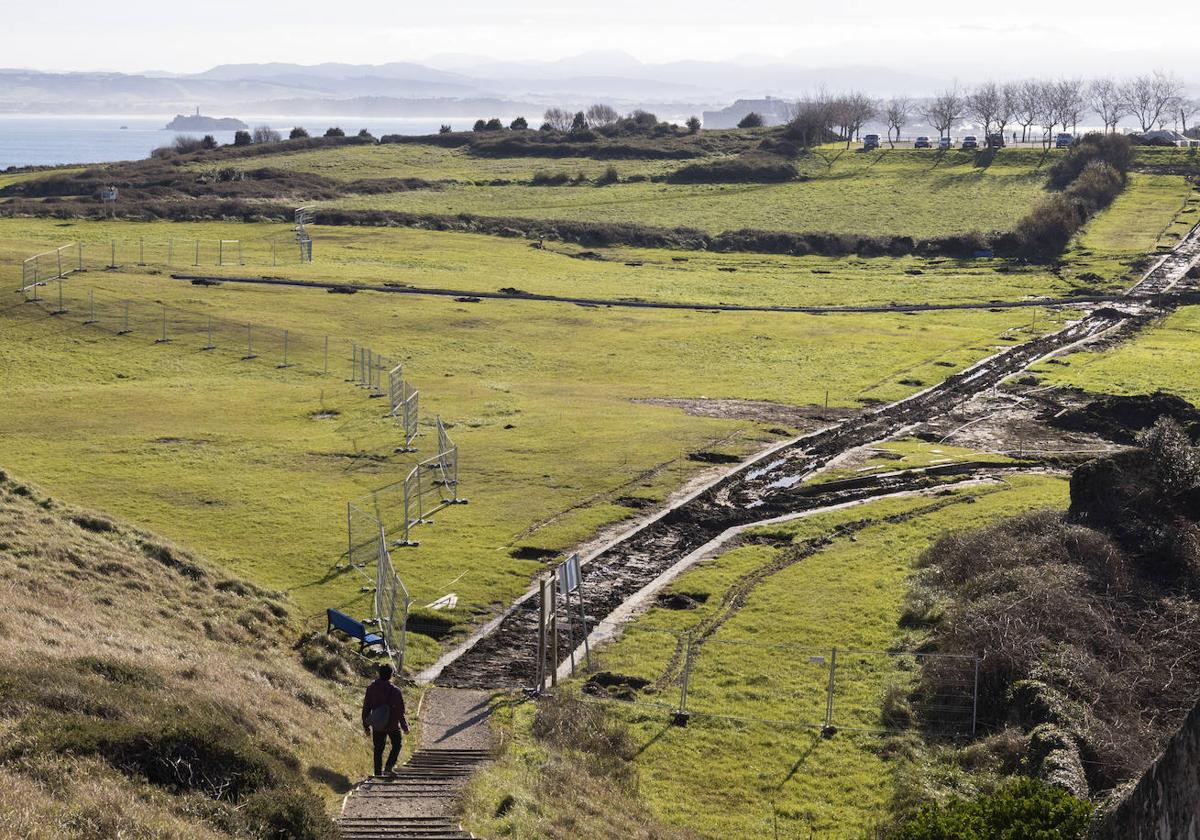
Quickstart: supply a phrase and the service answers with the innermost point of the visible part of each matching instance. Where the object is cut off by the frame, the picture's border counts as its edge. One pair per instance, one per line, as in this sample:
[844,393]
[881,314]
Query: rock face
[1165,804]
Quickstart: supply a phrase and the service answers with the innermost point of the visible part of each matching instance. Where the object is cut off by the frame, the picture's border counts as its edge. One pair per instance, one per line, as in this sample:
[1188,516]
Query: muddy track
[771,486]
[637,303]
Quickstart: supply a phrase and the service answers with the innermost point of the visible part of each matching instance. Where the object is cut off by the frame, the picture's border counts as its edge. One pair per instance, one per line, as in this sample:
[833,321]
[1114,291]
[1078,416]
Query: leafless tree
[1104,97]
[943,111]
[1049,111]
[1187,108]
[897,112]
[1071,100]
[982,105]
[558,119]
[1027,105]
[859,109]
[811,119]
[601,115]
[1009,95]
[266,134]
[1150,98]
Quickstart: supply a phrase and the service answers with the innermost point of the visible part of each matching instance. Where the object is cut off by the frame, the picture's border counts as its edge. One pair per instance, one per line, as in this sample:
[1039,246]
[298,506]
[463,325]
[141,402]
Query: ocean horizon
[54,140]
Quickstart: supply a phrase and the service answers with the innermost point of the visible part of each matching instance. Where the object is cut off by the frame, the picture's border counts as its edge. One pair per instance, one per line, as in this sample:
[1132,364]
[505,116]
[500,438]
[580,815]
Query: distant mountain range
[458,85]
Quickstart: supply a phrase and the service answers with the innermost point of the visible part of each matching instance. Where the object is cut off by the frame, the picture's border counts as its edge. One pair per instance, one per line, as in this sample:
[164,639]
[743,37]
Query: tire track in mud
[504,652]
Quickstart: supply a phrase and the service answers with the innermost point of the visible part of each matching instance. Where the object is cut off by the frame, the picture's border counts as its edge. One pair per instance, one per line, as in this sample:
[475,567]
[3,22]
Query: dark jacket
[383,693]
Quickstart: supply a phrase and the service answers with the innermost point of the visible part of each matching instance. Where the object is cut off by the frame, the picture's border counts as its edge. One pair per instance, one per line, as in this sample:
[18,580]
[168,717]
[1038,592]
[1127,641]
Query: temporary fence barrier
[56,264]
[403,399]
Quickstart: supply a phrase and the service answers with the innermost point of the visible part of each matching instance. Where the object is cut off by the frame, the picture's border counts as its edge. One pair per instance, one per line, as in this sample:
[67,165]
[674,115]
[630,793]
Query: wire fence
[114,254]
[788,684]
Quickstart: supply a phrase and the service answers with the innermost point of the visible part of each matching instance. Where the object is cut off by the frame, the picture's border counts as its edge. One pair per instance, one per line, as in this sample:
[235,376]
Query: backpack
[379,717]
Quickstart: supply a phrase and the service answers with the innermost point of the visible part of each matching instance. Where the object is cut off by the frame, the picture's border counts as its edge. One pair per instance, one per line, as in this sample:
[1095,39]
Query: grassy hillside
[252,465]
[905,192]
[725,774]
[144,693]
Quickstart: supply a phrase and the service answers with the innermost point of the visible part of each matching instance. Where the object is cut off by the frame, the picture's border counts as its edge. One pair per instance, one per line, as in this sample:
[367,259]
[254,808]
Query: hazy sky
[1067,36]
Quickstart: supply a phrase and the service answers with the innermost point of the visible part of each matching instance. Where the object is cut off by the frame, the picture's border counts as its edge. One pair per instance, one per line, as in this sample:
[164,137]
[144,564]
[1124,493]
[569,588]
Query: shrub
[334,132]
[1022,809]
[480,125]
[754,167]
[751,120]
[693,124]
[579,121]
[297,133]
[364,134]
[444,129]
[208,142]
[266,134]
[519,124]
[546,179]
[242,138]
[610,176]
[186,145]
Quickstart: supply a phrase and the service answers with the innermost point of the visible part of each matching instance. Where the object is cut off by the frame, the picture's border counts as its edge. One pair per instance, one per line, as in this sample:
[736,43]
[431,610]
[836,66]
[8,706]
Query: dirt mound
[1119,419]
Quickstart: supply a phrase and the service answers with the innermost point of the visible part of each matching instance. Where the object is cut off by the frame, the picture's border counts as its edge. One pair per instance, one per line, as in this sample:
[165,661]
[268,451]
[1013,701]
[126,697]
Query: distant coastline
[197,122]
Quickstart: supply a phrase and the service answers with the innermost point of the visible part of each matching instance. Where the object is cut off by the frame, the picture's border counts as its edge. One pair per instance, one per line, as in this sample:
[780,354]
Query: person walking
[383,719]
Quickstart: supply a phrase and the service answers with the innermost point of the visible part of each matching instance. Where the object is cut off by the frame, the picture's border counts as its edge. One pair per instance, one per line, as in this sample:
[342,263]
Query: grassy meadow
[757,778]
[901,192]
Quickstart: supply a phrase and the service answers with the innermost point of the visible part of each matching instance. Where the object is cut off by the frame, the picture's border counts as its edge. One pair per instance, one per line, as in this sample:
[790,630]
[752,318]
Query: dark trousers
[381,739]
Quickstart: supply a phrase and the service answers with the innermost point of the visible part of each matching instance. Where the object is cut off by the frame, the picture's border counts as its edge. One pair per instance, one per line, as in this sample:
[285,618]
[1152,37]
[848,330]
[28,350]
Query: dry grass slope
[144,694]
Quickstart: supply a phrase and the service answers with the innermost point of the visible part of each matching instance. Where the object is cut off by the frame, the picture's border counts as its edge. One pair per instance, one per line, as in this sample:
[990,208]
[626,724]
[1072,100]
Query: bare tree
[1104,97]
[982,105]
[1071,99]
[860,109]
[1186,108]
[811,120]
[1049,110]
[266,134]
[897,112]
[1149,98]
[943,111]
[1027,105]
[1009,95]
[558,119]
[601,115]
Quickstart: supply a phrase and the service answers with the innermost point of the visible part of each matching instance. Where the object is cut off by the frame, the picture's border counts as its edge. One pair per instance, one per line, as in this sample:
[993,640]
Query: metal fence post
[975,699]
[681,714]
[272,252]
[210,345]
[250,342]
[141,250]
[58,254]
[541,644]
[240,260]
[197,260]
[829,692]
[285,348]
[587,650]
[220,252]
[113,245]
[553,629]
[91,319]
[170,250]
[125,323]
[61,309]
[163,339]
[79,257]
[326,370]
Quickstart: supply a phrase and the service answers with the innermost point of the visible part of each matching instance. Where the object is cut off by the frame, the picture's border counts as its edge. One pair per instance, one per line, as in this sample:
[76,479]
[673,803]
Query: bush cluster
[1022,809]
[749,168]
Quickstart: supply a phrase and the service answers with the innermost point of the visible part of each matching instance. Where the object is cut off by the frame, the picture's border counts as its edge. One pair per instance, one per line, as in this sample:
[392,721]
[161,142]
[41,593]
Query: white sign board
[108,194]
[569,575]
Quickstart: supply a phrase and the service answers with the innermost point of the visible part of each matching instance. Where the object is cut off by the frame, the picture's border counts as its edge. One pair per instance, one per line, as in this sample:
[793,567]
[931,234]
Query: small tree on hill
[480,125]
[242,138]
[266,134]
[444,129]
[579,121]
[494,124]
[601,116]
[334,132]
[298,133]
[898,110]
[208,142]
[751,120]
[558,119]
[693,124]
[519,124]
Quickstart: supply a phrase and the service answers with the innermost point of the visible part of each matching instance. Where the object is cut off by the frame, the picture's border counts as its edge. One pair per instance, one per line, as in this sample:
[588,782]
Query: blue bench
[352,628]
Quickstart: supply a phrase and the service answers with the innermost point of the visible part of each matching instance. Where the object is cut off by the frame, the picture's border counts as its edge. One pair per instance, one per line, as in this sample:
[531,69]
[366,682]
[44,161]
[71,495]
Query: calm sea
[40,141]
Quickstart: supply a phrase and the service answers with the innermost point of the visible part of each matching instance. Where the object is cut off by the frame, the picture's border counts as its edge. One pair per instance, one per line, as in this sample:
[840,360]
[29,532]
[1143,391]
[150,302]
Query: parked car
[870,141]
[922,143]
[970,142]
[945,143]
[1063,140]
[995,141]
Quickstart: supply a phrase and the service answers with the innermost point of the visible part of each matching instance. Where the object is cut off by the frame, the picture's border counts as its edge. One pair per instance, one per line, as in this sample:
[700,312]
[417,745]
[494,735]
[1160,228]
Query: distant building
[773,111]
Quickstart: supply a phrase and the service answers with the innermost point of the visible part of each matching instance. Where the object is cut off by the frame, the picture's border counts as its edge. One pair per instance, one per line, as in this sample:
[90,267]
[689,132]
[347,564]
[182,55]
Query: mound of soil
[1119,419]
[614,686]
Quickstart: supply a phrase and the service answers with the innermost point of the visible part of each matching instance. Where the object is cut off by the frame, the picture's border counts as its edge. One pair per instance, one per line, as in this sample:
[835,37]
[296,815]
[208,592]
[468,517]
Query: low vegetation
[143,692]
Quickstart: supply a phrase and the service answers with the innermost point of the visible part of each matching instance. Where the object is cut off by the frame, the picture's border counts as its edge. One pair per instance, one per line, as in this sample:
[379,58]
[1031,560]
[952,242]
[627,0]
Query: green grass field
[1160,358]
[1154,211]
[738,778]
[480,263]
[226,455]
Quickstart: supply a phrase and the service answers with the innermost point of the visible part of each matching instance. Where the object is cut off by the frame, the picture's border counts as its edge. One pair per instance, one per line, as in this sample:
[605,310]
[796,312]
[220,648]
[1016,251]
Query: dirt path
[637,303]
[421,799]
[503,652]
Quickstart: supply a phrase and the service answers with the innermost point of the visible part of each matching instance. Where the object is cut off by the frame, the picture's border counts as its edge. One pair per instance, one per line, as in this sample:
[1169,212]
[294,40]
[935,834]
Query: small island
[198,122]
